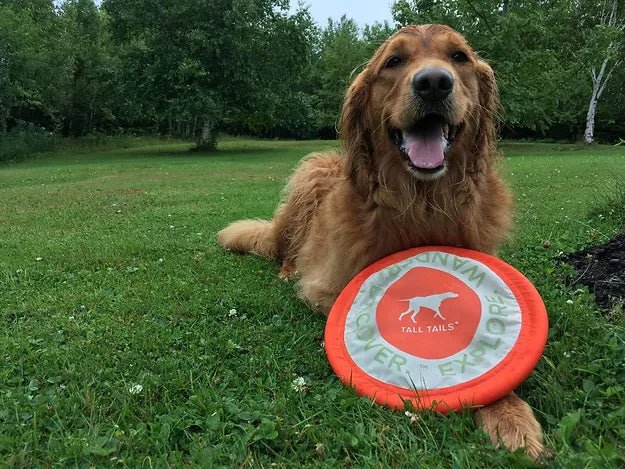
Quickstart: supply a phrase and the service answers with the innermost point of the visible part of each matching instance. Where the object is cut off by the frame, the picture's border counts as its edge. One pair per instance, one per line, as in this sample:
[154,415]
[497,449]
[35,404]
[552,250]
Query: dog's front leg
[405,313]
[510,422]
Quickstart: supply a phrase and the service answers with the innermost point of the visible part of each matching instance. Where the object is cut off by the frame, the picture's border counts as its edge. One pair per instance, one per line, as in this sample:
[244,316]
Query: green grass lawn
[129,337]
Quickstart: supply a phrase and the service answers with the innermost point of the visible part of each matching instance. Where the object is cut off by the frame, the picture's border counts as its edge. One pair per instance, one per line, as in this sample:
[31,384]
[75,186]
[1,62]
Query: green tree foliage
[541,50]
[55,66]
[343,51]
[194,68]
[33,63]
[212,64]
[90,80]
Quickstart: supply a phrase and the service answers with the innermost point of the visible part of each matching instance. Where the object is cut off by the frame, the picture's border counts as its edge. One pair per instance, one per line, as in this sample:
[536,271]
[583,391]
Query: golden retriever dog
[417,168]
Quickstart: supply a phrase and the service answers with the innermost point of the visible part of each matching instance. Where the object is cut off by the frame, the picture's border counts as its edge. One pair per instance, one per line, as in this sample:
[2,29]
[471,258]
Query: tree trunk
[206,133]
[600,81]
[589,134]
[208,139]
[598,85]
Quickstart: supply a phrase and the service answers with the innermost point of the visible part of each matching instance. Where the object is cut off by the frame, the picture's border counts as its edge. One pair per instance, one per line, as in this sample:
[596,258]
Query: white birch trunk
[589,134]
[600,81]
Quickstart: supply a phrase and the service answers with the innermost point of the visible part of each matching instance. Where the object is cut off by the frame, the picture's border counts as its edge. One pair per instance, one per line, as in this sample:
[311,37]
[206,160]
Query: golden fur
[343,211]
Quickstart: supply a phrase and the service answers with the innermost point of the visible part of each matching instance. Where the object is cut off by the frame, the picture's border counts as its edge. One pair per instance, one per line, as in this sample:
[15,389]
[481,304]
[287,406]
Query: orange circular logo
[429,313]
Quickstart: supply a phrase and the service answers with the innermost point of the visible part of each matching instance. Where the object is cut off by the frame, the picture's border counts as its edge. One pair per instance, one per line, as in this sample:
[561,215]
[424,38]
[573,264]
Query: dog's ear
[355,132]
[489,109]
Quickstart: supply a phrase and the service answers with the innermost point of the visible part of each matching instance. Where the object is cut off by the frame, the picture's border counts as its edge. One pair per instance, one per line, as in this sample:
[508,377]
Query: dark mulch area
[602,269]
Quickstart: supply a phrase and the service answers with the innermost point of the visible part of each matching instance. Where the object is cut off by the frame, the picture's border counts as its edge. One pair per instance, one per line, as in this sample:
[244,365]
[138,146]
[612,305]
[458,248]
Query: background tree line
[194,68]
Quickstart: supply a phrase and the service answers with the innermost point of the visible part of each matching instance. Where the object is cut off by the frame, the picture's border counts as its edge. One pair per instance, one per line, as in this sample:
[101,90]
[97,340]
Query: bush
[96,141]
[26,140]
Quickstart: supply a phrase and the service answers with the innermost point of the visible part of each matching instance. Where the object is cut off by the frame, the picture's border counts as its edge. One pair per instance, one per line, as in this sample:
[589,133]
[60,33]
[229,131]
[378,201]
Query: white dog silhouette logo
[432,302]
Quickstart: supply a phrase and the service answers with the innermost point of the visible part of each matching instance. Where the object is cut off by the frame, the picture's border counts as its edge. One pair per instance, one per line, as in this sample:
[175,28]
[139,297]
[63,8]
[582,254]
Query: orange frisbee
[442,328]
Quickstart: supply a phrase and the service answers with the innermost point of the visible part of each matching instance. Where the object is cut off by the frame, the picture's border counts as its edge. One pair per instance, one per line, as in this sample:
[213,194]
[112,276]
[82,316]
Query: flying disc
[440,327]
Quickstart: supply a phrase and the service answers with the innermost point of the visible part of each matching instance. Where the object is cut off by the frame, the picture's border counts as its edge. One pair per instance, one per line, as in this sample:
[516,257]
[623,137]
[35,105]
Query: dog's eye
[394,61]
[459,56]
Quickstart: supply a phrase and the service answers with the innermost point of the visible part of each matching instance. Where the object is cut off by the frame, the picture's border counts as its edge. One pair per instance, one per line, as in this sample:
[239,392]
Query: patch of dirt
[602,269]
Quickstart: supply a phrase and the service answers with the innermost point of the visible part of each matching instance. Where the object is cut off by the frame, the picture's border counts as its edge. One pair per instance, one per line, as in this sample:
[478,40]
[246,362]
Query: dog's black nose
[433,84]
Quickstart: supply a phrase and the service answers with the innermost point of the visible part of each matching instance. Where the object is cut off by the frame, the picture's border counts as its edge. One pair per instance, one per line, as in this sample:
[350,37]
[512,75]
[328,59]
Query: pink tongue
[425,149]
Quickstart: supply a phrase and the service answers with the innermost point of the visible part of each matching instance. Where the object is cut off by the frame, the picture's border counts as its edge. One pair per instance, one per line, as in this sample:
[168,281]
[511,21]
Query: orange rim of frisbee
[488,387]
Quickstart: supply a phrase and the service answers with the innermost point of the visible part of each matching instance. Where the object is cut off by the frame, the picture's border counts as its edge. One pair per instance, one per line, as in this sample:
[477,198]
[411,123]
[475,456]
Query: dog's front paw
[510,422]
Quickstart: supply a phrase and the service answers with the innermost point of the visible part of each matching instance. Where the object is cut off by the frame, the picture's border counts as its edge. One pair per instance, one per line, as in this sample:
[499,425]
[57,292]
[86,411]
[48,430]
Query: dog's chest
[426,229]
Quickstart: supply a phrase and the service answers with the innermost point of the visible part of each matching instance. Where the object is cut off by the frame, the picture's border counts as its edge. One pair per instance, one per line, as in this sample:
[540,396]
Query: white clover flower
[413,417]
[299,384]
[569,302]
[160,261]
[232,313]
[135,389]
[38,259]
[171,226]
[566,355]
[320,449]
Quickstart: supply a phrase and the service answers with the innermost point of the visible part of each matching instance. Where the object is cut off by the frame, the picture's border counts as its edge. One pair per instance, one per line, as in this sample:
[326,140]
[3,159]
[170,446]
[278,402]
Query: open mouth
[425,144]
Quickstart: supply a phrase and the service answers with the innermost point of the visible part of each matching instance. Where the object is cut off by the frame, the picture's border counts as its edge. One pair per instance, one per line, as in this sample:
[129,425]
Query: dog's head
[424,103]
